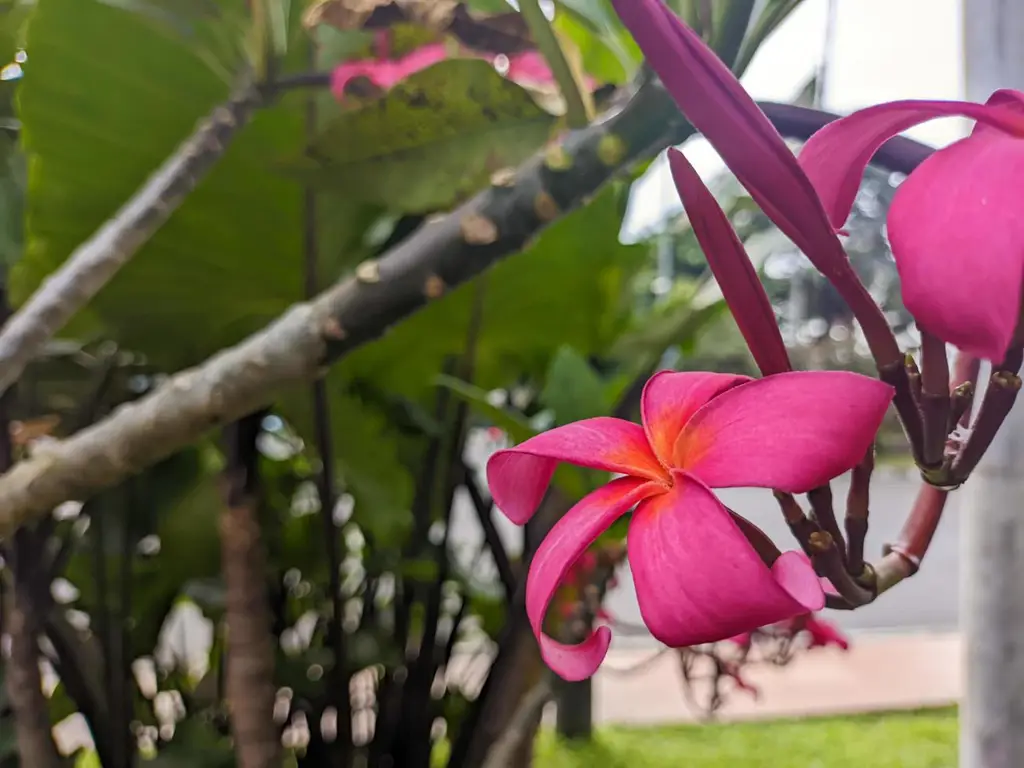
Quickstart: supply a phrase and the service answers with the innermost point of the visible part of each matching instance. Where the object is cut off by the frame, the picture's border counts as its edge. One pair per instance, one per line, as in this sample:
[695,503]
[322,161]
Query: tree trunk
[992,712]
[250,648]
[36,747]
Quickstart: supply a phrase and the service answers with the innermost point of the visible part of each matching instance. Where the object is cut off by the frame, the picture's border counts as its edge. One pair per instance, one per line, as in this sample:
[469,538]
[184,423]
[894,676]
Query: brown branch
[250,649]
[24,609]
[520,727]
[98,259]
[1003,386]
[857,512]
[23,680]
[934,399]
[902,559]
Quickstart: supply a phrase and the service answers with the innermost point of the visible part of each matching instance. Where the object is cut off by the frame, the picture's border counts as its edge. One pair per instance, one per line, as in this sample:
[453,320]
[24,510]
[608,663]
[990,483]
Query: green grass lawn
[892,740]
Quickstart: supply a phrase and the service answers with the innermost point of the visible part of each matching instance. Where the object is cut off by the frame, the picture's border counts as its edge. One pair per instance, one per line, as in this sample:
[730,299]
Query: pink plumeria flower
[956,225]
[698,579]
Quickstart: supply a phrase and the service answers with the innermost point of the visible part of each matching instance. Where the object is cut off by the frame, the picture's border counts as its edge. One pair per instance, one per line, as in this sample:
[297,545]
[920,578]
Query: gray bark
[992,714]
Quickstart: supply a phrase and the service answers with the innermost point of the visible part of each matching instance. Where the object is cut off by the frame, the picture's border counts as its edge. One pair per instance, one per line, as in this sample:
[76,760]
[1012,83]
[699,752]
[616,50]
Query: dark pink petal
[384,73]
[568,539]
[825,633]
[697,578]
[835,157]
[743,639]
[714,101]
[518,477]
[791,432]
[732,268]
[670,399]
[956,226]
[711,97]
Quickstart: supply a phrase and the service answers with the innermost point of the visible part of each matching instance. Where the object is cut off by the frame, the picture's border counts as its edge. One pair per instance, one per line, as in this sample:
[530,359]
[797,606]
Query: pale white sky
[881,50]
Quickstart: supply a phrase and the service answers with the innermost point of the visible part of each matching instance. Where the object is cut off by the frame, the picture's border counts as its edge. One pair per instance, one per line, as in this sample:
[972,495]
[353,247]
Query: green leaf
[773,13]
[431,140]
[679,323]
[515,424]
[598,55]
[600,17]
[196,744]
[572,388]
[60,704]
[231,259]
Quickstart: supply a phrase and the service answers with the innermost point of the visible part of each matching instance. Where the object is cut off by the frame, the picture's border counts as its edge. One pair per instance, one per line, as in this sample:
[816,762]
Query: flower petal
[697,578]
[518,477]
[670,399]
[384,73]
[825,633]
[835,157]
[732,268]
[791,432]
[566,542]
[956,226]
[713,100]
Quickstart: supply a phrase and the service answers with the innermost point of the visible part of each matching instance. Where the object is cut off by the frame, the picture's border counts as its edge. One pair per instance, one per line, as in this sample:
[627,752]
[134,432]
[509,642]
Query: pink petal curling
[790,432]
[956,226]
[518,477]
[836,156]
[670,399]
[697,578]
[732,268]
[561,548]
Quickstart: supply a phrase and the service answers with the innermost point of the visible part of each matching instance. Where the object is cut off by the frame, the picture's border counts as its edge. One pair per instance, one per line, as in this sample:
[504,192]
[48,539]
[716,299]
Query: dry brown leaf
[354,14]
[24,432]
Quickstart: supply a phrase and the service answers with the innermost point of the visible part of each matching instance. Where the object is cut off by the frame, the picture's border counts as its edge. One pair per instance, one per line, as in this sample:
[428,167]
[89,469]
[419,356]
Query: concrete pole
[992,594]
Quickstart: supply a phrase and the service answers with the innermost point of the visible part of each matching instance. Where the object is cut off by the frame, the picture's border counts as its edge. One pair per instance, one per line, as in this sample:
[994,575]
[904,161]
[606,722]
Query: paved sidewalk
[879,672]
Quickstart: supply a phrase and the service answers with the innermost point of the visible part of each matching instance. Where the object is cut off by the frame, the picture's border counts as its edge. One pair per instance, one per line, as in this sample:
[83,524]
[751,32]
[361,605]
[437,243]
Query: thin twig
[485,514]
[934,399]
[98,259]
[338,695]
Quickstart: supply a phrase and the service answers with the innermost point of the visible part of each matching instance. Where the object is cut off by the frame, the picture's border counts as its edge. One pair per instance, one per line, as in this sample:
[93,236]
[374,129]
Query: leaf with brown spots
[434,138]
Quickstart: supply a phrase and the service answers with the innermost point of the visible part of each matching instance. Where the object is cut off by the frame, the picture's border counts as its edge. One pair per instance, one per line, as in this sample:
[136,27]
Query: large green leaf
[230,259]
[573,389]
[599,17]
[432,139]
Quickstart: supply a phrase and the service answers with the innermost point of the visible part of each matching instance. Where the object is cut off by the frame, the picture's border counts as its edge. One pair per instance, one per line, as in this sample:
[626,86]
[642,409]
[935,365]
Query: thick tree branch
[495,223]
[99,258]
